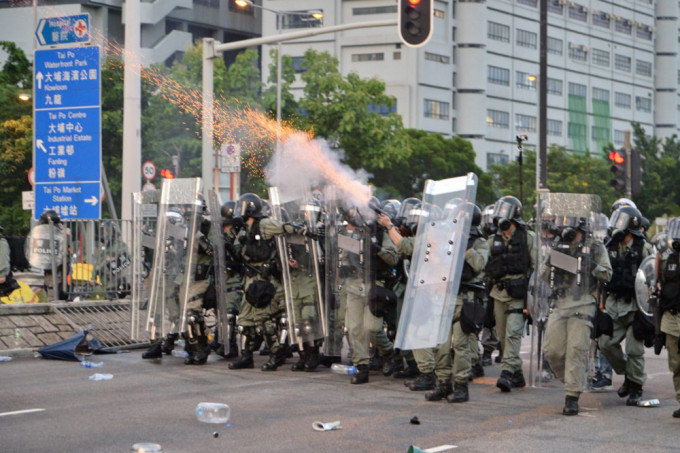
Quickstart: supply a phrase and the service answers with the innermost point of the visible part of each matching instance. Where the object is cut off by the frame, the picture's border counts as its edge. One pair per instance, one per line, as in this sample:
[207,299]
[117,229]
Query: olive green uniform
[670,323]
[567,336]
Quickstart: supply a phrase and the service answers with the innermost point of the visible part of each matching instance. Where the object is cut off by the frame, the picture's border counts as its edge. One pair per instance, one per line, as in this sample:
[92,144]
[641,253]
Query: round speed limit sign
[149,170]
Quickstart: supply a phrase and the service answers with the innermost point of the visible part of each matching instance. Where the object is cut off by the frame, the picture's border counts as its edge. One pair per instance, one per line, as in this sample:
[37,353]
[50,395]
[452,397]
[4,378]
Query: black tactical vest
[670,278]
[625,268]
[256,249]
[510,259]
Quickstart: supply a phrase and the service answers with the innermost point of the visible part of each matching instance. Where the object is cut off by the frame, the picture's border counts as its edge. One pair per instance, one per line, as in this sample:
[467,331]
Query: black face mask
[618,235]
[504,224]
[568,234]
[676,244]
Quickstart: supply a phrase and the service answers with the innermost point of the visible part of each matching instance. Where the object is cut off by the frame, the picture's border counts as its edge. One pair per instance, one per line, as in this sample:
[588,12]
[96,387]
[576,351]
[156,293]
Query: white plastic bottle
[101,377]
[88,364]
[339,368]
[179,353]
[213,412]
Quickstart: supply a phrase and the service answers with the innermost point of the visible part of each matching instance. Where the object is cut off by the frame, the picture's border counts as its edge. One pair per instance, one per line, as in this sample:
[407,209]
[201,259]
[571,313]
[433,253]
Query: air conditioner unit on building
[618,18]
[650,28]
[639,24]
[562,2]
[573,45]
[609,16]
[585,48]
[571,4]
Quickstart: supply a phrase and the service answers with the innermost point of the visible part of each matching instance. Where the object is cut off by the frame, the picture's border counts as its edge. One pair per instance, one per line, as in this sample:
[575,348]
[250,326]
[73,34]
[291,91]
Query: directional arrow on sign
[39,144]
[39,77]
[92,200]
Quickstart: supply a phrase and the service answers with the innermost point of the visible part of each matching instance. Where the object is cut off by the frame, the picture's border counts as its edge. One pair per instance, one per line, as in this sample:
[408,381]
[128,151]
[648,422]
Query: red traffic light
[167,174]
[414,2]
[616,157]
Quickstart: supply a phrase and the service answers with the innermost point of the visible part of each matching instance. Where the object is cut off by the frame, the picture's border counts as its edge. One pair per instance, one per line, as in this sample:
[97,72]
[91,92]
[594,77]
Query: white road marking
[25,411]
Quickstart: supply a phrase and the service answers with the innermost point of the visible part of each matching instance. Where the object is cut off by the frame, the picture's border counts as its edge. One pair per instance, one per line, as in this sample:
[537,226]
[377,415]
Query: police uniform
[669,278]
[511,261]
[572,310]
[621,306]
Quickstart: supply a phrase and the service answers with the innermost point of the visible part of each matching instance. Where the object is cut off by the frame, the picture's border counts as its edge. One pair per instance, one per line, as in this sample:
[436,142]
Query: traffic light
[618,168]
[415,21]
[636,171]
[167,174]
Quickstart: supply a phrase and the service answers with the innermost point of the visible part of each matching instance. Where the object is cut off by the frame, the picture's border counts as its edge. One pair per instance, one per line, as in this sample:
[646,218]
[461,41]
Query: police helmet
[621,202]
[507,209]
[174,216]
[48,215]
[227,212]
[673,233]
[626,219]
[249,205]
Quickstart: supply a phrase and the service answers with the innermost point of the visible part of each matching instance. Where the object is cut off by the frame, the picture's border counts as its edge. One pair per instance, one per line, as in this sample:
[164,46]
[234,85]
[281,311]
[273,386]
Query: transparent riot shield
[437,262]
[645,281]
[144,226]
[563,286]
[173,271]
[220,272]
[300,258]
[45,246]
[334,306]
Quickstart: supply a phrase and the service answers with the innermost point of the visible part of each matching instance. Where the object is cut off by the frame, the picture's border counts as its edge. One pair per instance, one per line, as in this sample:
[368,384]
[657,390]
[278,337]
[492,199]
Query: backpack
[17,257]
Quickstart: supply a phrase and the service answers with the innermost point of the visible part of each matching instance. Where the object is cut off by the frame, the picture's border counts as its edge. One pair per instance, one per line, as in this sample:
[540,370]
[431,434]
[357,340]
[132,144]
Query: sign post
[67,128]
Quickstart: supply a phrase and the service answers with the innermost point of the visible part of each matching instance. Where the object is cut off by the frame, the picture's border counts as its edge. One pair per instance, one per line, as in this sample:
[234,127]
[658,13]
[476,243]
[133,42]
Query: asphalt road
[274,412]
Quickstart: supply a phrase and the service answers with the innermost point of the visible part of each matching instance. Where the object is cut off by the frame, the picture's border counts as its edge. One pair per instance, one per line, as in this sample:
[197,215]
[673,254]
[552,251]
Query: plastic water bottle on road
[179,353]
[88,364]
[101,377]
[213,412]
[339,368]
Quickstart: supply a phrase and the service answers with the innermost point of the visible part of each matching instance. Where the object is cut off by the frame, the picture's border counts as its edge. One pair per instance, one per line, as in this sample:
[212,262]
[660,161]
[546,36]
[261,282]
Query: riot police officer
[627,248]
[511,261]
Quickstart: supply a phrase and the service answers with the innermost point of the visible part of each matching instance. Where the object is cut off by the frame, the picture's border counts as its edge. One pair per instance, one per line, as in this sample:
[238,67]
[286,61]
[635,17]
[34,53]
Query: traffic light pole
[211,50]
[626,146]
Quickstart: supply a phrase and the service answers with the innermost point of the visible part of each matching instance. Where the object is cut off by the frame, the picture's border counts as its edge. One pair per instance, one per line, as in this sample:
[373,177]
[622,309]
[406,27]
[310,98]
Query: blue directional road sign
[64,30]
[67,125]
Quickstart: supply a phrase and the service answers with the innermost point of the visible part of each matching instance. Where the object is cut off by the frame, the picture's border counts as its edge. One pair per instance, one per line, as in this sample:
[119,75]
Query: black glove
[660,342]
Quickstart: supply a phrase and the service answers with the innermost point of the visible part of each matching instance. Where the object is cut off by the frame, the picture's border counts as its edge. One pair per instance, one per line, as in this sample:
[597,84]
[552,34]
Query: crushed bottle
[213,412]
[101,377]
[339,368]
[4,358]
[88,364]
[649,403]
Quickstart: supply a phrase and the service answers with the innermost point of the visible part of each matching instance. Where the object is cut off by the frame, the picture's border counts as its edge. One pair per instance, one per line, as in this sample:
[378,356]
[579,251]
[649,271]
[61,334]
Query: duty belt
[234,288]
[514,310]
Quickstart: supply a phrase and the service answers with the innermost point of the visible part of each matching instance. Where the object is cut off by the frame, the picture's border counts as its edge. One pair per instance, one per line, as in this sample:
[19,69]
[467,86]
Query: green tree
[15,79]
[16,136]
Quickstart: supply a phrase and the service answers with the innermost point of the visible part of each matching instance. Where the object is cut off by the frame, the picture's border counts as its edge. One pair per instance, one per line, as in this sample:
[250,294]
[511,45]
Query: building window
[554,86]
[600,57]
[555,46]
[498,32]
[576,89]
[527,39]
[298,19]
[499,76]
[643,104]
[643,68]
[396,56]
[377,56]
[600,94]
[498,119]
[644,32]
[370,10]
[576,129]
[211,3]
[622,100]
[437,57]
[578,53]
[624,26]
[578,12]
[436,109]
[528,2]
[525,123]
[622,62]
[601,20]
[299,65]
[496,159]
[555,6]
[525,80]
[554,128]
[619,137]
[381,109]
[599,134]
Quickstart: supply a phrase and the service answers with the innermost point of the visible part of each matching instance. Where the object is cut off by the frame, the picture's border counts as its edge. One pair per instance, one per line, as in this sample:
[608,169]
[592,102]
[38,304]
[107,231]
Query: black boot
[518,381]
[570,405]
[246,361]
[169,343]
[154,352]
[313,360]
[328,360]
[475,372]
[635,395]
[505,381]
[410,372]
[362,375]
[486,358]
[424,381]
[191,348]
[441,391]
[300,364]
[275,360]
[624,390]
[460,393]
[388,363]
[202,351]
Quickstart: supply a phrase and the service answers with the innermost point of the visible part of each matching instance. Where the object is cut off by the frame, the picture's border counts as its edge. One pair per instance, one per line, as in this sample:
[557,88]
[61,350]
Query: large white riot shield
[645,281]
[144,220]
[174,266]
[437,262]
[45,246]
[563,285]
[300,258]
[220,270]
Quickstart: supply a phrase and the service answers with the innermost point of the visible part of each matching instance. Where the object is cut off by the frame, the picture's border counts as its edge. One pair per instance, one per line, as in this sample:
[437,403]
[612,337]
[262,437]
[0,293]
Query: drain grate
[109,321]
